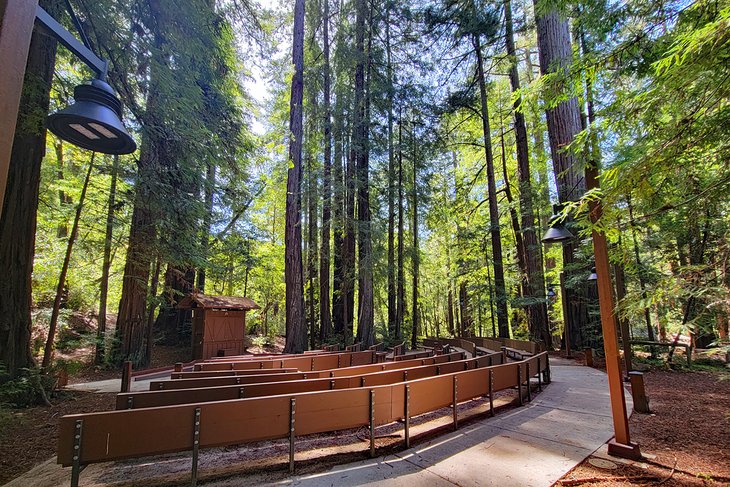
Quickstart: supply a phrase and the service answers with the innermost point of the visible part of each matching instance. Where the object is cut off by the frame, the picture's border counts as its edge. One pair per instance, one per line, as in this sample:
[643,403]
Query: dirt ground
[686,437]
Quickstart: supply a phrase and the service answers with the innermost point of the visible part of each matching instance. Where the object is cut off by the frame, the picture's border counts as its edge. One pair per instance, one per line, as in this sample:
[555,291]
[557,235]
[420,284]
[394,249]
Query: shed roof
[200,300]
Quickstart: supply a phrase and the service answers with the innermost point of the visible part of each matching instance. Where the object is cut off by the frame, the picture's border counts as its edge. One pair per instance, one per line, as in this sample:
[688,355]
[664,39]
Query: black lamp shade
[557,231]
[93,121]
[593,276]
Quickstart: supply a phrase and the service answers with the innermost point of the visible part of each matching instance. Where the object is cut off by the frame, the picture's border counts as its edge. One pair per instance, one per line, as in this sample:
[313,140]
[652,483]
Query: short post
[519,383]
[292,410]
[529,389]
[372,423]
[126,376]
[588,352]
[178,366]
[456,395]
[130,402]
[196,447]
[504,353]
[407,414]
[491,392]
[641,402]
[539,375]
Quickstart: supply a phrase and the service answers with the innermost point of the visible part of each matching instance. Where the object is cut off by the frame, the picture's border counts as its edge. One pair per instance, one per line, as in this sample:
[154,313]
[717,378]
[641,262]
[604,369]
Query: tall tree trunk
[338,243]
[48,351]
[312,246]
[106,265]
[325,315]
[296,331]
[450,311]
[365,322]
[563,121]
[392,297]
[534,286]
[498,261]
[152,306]
[63,197]
[400,279]
[207,219]
[640,272]
[416,251]
[18,219]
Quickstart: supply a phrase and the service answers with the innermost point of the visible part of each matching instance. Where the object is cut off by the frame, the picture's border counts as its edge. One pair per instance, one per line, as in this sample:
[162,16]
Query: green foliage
[24,390]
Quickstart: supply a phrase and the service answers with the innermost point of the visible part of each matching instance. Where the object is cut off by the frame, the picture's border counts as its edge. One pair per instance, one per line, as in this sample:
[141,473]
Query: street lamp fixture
[592,276]
[557,231]
[94,121]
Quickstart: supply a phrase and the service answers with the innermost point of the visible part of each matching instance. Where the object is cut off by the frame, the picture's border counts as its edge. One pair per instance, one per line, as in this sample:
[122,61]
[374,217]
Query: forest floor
[687,435]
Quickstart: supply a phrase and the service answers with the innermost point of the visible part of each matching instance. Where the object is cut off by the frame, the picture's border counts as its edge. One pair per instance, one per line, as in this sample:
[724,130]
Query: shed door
[222,326]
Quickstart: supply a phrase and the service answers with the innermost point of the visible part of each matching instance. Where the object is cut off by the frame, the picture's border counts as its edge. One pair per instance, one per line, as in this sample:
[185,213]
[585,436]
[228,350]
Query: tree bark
[365,322]
[338,278]
[18,219]
[498,261]
[48,351]
[563,122]
[312,246]
[392,297]
[534,279]
[207,219]
[325,316]
[416,251]
[400,279]
[296,331]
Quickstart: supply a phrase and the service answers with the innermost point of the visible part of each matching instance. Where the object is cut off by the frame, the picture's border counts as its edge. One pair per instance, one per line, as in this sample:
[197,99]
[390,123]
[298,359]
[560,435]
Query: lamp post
[557,232]
[92,122]
[621,445]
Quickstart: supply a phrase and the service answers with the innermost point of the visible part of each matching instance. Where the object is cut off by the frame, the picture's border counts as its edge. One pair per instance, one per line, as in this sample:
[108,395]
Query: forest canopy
[374,171]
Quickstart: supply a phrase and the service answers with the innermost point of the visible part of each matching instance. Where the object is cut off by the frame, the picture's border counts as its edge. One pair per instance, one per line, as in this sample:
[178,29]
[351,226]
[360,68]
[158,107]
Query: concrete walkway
[534,445]
[530,446]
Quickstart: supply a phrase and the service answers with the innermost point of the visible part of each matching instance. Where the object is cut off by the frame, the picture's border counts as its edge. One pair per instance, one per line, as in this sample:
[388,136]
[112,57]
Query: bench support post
[196,448]
[76,468]
[407,418]
[529,389]
[292,410]
[519,383]
[456,413]
[491,392]
[372,423]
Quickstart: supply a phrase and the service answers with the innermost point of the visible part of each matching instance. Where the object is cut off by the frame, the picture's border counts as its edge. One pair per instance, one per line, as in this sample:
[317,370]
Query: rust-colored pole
[16,26]
[621,445]
[566,318]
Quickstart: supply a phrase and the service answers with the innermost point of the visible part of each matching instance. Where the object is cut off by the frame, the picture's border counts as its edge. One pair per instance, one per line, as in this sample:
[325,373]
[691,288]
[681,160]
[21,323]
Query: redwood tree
[296,330]
[18,220]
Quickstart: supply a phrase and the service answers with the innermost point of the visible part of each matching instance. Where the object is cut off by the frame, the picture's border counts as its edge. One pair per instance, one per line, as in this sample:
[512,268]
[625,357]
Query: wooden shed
[219,324]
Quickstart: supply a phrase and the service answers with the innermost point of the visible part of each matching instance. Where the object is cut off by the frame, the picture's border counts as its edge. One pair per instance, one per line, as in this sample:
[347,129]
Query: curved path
[534,445]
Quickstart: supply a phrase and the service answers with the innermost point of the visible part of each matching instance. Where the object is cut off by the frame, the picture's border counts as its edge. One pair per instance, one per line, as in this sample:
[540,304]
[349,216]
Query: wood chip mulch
[29,436]
[687,435]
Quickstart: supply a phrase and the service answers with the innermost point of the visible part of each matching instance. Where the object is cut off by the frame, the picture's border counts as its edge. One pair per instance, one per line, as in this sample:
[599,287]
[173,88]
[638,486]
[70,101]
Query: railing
[106,436]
